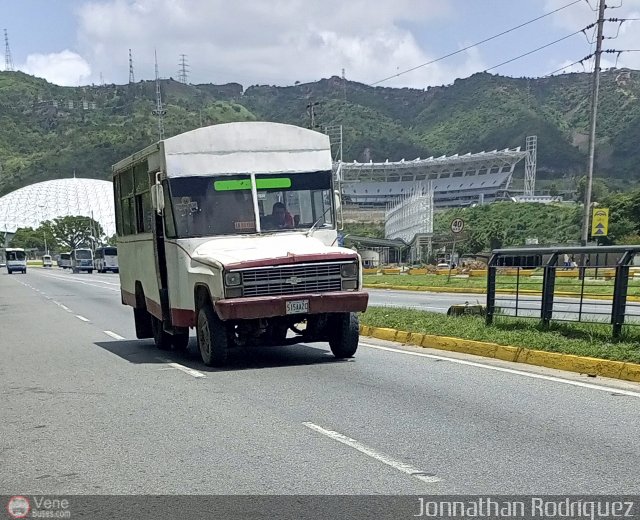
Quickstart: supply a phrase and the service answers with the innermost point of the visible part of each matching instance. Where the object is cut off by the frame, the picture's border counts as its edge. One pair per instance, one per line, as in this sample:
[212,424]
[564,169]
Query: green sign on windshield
[245,184]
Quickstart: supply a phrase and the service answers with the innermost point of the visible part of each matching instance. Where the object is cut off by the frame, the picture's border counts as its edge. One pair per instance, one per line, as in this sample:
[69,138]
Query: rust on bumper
[270,306]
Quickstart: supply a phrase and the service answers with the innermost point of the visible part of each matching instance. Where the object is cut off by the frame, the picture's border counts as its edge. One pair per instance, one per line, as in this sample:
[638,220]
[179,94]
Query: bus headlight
[349,270]
[232,279]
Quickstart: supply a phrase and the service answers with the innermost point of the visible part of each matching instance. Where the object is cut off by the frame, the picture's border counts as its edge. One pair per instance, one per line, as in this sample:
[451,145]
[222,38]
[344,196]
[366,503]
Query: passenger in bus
[280,218]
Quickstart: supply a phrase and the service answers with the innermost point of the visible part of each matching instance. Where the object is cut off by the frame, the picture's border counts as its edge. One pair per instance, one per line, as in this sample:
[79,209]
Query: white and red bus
[231,229]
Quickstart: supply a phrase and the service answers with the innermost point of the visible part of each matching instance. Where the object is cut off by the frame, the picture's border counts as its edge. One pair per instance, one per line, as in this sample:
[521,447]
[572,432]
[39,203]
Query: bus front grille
[298,279]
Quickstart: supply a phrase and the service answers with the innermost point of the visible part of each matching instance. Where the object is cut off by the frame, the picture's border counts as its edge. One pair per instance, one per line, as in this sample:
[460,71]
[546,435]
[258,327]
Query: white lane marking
[62,306]
[73,280]
[69,278]
[82,318]
[182,368]
[509,371]
[381,457]
[416,306]
[112,334]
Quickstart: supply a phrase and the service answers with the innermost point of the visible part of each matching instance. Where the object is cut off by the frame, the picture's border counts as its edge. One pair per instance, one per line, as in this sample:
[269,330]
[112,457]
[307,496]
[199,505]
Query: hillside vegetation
[48,132]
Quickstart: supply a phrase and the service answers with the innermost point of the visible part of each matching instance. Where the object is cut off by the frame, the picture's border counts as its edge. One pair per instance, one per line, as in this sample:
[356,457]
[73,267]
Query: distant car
[443,265]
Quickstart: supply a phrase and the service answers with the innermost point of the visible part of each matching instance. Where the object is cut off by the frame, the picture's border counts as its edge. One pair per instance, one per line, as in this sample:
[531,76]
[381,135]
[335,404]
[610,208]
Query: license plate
[297,306]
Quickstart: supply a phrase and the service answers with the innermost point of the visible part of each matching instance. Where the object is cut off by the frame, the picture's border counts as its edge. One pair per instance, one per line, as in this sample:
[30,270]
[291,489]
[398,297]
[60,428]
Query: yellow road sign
[600,222]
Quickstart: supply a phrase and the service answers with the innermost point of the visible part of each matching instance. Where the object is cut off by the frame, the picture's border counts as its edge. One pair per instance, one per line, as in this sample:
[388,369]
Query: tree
[75,231]
[599,190]
[27,238]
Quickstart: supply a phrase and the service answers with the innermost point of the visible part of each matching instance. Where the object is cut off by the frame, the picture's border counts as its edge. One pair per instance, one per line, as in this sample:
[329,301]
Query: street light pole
[592,131]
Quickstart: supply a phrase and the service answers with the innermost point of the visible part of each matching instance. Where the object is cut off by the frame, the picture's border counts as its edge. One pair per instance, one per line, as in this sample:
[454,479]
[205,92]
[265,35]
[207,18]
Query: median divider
[568,362]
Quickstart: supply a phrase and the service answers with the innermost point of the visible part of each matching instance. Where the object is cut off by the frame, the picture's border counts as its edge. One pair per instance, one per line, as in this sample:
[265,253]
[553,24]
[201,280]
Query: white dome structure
[31,205]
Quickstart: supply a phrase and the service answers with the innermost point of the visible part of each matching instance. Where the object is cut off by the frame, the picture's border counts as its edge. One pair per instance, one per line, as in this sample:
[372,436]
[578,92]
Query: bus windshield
[83,254]
[14,256]
[223,205]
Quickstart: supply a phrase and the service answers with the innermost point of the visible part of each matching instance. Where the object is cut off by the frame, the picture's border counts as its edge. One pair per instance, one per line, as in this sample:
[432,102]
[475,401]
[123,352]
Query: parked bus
[16,260]
[82,260]
[230,229]
[64,261]
[106,259]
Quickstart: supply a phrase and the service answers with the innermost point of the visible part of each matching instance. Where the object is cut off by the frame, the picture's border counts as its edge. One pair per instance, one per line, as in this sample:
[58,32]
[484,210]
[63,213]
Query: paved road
[85,412]
[564,308]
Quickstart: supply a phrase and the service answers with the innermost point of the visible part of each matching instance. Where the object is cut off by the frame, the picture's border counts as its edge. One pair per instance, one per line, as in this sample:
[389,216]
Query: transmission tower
[131,76]
[8,61]
[344,87]
[530,166]
[182,73]
[159,112]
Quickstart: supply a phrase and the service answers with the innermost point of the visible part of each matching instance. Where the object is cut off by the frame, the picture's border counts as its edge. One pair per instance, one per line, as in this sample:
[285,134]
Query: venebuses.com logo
[18,507]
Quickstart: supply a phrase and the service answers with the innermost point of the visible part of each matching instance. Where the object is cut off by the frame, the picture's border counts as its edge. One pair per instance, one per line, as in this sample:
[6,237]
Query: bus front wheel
[344,334]
[213,337]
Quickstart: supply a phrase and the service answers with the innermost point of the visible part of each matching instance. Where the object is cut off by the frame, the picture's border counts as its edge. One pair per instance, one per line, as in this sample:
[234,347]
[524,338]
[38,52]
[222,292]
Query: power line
[475,44]
[581,62]
[534,50]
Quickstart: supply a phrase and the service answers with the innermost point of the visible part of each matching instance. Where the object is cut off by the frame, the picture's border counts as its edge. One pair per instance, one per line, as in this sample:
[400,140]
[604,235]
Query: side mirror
[157,195]
[338,200]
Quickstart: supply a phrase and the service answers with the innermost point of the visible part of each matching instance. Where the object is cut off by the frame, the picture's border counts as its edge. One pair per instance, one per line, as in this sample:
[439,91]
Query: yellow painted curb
[480,290]
[568,362]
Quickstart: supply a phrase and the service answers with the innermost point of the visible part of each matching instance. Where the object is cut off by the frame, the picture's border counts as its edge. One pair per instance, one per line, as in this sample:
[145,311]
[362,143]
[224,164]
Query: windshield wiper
[317,221]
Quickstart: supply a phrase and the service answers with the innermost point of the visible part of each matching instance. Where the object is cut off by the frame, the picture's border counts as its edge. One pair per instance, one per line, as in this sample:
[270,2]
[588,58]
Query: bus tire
[344,333]
[142,320]
[213,337]
[180,340]
[161,338]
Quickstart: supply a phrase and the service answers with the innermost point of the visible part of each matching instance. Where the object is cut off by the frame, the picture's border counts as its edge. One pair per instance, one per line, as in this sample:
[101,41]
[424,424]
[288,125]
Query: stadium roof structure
[31,205]
[457,180]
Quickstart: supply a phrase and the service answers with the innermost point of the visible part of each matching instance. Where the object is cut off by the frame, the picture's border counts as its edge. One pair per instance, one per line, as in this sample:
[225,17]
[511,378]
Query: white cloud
[267,42]
[62,68]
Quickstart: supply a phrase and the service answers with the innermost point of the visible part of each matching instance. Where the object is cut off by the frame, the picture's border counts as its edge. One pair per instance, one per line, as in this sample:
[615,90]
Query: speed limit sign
[457,225]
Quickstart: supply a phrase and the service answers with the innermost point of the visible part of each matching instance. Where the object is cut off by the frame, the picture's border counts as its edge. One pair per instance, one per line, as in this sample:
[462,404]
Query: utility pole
[592,131]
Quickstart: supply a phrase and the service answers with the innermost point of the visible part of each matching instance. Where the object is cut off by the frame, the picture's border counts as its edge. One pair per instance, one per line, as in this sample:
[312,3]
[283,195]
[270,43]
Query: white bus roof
[245,147]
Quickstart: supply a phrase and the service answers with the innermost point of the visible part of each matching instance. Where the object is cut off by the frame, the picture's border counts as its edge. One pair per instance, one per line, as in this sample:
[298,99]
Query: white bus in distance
[82,260]
[64,261]
[16,260]
[231,229]
[106,259]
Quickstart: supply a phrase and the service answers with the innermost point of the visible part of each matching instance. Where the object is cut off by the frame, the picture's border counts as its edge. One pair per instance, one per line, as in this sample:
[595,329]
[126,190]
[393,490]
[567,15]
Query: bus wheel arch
[212,333]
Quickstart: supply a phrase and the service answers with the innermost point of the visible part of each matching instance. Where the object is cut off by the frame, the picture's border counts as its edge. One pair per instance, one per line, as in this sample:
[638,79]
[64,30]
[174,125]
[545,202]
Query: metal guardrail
[587,290]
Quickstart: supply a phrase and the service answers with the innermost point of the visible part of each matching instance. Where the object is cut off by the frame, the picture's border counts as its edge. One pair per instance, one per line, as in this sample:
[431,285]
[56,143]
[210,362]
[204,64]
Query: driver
[280,218]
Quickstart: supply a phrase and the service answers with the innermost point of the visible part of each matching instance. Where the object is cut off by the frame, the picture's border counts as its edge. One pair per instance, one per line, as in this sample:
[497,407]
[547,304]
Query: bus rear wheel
[213,337]
[160,336]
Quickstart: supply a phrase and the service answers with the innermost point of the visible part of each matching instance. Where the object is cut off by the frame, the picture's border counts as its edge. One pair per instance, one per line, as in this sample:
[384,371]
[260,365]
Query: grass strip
[581,339]
[572,285]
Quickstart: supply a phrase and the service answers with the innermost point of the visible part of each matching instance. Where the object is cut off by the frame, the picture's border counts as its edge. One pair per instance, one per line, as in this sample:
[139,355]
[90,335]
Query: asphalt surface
[84,412]
[523,306]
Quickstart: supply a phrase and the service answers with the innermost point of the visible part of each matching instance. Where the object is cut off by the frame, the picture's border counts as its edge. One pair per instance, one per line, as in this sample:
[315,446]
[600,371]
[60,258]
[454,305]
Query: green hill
[48,132]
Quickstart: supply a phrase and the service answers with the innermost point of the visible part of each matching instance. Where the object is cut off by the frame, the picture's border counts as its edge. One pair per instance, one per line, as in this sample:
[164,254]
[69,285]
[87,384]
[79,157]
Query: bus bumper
[271,306]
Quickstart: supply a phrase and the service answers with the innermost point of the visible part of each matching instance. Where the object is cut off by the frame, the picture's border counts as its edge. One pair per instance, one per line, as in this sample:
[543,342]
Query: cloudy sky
[279,42]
